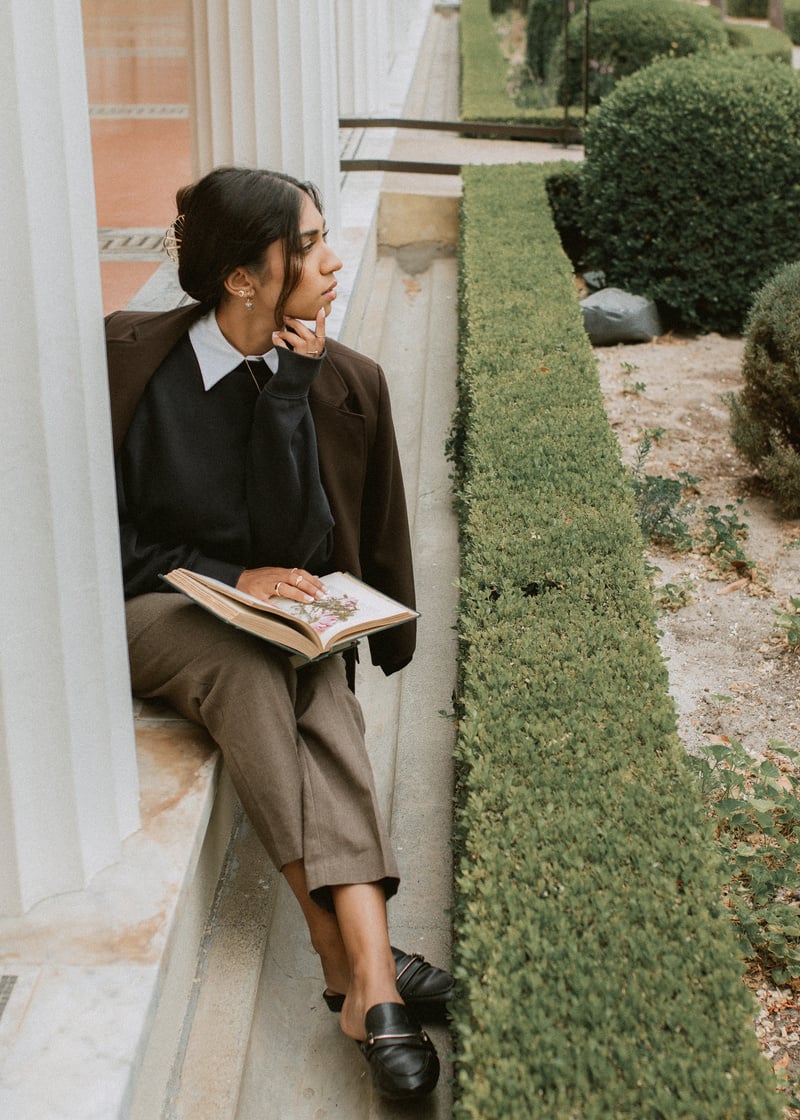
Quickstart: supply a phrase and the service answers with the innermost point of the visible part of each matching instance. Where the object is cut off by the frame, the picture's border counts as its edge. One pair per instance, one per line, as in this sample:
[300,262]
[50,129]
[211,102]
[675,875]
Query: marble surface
[89,963]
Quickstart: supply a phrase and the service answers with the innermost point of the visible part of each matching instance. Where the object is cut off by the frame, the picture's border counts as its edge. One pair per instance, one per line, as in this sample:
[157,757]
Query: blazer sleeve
[386,558]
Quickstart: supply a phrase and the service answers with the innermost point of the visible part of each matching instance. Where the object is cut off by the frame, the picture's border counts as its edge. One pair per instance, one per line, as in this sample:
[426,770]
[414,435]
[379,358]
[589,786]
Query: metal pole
[566,65]
[586,6]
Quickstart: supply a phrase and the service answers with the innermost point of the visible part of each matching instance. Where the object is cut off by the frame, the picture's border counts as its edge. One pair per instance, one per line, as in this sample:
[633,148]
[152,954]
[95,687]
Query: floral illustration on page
[325,613]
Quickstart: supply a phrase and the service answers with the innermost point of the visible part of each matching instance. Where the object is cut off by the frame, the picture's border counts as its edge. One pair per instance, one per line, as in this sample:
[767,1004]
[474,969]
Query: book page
[350,607]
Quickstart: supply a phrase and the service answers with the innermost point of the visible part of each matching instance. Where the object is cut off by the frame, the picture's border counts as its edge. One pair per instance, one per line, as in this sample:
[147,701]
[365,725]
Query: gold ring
[278,588]
[298,581]
[291,573]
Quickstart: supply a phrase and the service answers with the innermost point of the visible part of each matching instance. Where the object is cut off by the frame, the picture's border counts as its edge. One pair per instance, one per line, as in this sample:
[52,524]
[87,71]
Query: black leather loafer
[425,989]
[402,1060]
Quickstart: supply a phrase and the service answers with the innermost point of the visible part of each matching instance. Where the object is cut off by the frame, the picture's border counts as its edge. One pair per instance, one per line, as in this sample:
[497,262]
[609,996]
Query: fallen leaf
[737,585]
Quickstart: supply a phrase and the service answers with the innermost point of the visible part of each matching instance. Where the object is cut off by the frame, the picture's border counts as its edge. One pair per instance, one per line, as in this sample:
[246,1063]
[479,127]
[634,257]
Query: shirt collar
[215,355]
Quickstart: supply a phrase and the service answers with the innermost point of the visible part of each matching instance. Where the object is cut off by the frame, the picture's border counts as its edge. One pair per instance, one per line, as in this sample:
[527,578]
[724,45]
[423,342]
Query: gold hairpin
[173,236]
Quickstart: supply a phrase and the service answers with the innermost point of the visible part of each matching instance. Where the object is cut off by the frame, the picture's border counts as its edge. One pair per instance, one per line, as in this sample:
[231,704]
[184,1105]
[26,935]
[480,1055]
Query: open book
[352,610]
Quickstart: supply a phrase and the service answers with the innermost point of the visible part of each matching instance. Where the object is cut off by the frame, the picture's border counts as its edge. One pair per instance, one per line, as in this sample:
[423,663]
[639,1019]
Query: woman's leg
[361,913]
[293,741]
[353,945]
[323,927]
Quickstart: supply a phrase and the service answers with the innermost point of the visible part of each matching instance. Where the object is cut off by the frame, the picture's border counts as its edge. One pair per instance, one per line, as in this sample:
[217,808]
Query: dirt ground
[733,674]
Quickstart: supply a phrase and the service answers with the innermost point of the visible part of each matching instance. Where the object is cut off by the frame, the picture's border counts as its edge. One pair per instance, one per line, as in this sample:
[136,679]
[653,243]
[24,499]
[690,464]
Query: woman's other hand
[296,336]
[289,583]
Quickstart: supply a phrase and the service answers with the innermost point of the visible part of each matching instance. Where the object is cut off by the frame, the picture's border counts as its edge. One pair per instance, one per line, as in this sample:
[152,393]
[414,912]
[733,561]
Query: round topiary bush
[691,184]
[625,35]
[765,416]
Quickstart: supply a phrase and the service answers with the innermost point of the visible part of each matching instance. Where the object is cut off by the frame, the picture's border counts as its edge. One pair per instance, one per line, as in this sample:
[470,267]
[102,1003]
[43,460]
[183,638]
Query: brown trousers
[293,740]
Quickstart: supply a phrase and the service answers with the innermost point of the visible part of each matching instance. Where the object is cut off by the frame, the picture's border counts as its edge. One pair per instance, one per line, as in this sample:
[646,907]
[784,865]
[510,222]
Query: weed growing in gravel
[634,387]
[673,596]
[665,516]
[721,535]
[789,621]
[755,807]
[659,501]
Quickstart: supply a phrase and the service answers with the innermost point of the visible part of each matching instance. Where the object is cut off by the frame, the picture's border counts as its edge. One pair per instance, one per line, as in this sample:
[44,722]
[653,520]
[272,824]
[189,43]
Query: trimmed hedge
[599,975]
[484,89]
[626,35]
[763,42]
[691,183]
[484,75]
[759,9]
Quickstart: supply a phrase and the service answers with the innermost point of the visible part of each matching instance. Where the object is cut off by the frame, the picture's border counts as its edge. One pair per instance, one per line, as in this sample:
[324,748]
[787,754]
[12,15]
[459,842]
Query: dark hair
[230,218]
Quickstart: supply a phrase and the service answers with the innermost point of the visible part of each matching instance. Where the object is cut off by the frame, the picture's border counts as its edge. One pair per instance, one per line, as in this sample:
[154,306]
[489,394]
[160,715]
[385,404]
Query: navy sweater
[221,480]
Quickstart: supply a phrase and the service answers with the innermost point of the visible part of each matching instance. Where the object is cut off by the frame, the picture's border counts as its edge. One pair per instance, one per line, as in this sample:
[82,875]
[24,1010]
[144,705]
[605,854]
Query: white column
[68,783]
[363,31]
[264,89]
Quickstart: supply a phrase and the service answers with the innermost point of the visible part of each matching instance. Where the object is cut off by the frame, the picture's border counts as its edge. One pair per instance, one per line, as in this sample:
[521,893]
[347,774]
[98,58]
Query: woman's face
[316,287]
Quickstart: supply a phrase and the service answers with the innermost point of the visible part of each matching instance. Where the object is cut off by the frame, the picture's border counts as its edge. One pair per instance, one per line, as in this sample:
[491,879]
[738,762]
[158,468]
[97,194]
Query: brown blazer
[358,455]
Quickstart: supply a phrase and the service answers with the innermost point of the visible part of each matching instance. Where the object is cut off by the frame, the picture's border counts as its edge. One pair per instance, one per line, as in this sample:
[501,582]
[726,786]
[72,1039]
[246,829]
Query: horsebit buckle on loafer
[371,1039]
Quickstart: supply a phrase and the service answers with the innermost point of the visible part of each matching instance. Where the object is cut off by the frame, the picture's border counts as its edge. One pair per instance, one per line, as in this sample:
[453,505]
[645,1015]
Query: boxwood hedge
[599,976]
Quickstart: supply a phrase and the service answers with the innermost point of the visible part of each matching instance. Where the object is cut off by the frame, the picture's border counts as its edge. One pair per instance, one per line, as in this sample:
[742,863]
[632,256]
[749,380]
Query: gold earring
[249,301]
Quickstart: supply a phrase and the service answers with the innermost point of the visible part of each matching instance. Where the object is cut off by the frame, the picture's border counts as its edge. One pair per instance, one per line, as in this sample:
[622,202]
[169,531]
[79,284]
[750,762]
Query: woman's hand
[290,583]
[296,336]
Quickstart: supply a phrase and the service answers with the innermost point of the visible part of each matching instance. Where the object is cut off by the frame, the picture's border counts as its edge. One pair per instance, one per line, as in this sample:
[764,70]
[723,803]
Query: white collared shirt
[215,355]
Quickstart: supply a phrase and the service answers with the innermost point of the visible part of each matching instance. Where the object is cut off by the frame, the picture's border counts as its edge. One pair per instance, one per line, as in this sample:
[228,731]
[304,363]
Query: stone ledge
[96,968]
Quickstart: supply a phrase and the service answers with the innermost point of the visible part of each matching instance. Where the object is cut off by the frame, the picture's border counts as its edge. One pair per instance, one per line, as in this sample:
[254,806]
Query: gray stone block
[613,315]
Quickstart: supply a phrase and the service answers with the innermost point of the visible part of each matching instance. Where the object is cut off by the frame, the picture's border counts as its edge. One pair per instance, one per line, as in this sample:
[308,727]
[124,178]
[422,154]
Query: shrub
[766,42]
[691,184]
[759,9]
[791,19]
[545,23]
[765,416]
[485,76]
[748,9]
[626,35]
[564,195]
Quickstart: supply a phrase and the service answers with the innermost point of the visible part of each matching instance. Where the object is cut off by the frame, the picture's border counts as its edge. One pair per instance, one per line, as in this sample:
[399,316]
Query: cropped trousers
[292,739]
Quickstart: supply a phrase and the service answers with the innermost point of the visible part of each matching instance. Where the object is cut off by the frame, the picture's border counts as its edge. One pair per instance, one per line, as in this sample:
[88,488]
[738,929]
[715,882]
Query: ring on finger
[278,587]
[298,581]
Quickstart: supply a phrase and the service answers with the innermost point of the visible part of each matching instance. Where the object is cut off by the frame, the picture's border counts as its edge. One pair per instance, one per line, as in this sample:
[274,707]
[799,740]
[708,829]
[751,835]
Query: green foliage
[691,184]
[563,186]
[766,42]
[721,536]
[748,9]
[756,813]
[673,596]
[791,19]
[545,24]
[485,92]
[789,621]
[659,502]
[598,971]
[626,35]
[765,416]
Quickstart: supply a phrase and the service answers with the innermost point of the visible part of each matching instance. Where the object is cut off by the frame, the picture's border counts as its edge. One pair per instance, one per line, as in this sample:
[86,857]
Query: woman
[251,449]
